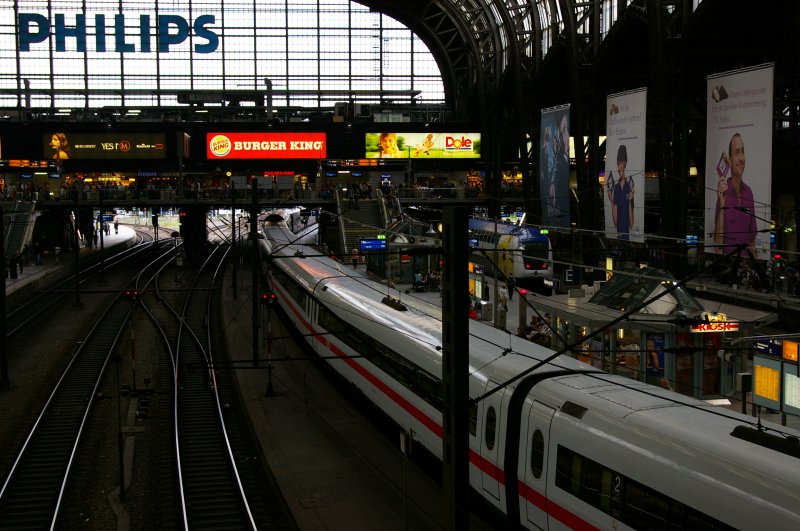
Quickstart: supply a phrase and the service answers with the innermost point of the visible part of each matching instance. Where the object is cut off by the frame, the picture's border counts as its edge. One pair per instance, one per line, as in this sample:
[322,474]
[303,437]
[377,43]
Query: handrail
[343,251]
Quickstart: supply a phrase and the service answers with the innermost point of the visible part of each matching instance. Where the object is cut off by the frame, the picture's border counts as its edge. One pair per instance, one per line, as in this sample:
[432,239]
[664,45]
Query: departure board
[766,382]
[791,393]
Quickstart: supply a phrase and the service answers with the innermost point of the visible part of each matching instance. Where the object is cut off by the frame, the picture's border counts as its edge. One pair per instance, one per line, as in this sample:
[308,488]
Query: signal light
[182,228]
[131,295]
[268,298]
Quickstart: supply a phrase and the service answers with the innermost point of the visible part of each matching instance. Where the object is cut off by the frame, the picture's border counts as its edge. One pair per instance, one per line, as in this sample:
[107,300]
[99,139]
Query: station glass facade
[59,53]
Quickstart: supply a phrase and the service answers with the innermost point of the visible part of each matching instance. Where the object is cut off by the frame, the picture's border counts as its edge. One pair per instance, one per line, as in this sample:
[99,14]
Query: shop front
[675,341]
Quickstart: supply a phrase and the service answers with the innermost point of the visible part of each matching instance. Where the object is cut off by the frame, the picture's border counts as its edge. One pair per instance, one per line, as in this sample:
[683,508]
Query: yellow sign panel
[790,350]
[767,382]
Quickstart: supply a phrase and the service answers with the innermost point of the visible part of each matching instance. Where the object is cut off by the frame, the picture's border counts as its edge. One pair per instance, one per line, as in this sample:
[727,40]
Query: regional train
[564,447]
[522,250]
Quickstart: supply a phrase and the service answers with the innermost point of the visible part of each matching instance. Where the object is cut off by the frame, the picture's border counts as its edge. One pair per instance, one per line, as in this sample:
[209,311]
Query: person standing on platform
[511,285]
[12,267]
[354,258]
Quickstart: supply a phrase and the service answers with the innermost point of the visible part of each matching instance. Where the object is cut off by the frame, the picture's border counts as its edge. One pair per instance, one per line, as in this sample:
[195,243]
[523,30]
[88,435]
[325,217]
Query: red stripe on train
[498,474]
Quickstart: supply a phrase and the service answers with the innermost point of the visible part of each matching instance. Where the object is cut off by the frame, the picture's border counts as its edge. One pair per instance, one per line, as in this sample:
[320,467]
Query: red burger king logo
[220,145]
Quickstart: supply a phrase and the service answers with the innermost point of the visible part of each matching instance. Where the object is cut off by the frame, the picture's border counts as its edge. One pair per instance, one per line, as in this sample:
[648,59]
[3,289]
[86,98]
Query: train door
[312,311]
[534,458]
[491,473]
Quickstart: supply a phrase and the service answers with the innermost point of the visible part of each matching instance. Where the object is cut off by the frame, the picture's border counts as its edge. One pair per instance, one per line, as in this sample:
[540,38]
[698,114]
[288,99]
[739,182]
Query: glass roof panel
[631,287]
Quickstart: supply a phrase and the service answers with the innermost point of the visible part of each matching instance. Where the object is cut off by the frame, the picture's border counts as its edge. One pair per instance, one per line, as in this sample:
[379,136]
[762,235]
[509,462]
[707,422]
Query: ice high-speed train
[566,446]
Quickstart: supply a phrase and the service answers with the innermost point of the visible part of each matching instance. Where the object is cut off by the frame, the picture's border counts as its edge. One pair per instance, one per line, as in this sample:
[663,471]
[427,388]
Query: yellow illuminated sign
[767,382]
[790,350]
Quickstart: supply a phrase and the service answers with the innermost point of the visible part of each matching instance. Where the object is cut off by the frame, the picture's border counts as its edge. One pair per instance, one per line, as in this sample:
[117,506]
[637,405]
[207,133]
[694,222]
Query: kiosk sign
[715,322]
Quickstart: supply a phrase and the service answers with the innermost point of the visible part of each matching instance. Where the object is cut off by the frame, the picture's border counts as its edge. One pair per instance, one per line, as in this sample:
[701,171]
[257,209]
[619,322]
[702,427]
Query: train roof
[523,232]
[718,446]
[495,354]
[724,450]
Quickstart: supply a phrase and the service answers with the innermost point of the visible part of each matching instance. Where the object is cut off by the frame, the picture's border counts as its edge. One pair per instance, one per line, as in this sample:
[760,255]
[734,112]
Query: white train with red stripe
[565,447]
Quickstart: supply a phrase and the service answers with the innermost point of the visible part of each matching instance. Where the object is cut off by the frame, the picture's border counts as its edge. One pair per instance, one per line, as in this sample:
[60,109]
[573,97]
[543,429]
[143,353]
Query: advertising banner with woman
[739,161]
[392,145]
[554,166]
[623,194]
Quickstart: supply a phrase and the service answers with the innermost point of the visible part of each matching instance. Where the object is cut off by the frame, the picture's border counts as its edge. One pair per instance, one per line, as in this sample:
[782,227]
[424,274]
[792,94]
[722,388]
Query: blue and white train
[565,447]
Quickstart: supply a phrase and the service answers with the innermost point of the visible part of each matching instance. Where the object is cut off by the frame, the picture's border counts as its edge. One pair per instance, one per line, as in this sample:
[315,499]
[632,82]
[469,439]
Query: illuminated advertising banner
[390,145]
[64,146]
[739,161]
[623,197]
[554,166]
[265,145]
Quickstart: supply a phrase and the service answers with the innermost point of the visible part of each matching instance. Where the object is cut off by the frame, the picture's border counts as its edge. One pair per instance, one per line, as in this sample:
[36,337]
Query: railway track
[32,491]
[211,491]
[190,452]
[38,303]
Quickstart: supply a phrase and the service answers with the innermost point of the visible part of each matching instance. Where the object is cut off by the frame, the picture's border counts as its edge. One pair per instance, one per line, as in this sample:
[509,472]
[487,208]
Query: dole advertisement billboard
[265,145]
[390,145]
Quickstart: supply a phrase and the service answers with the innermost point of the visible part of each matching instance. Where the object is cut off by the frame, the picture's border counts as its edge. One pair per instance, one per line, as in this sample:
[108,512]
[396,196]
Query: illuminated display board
[768,347]
[372,244]
[766,382]
[265,145]
[104,145]
[24,163]
[790,350]
[791,392]
[389,145]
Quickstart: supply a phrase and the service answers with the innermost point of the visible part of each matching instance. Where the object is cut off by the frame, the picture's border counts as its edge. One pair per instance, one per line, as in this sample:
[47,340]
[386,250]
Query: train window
[418,381]
[597,485]
[491,427]
[294,291]
[629,501]
[645,508]
[473,419]
[696,520]
[537,454]
[569,469]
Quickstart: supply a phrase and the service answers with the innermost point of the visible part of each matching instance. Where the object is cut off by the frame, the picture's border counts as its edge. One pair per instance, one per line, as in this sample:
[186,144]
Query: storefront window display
[583,351]
[654,358]
[629,353]
[711,364]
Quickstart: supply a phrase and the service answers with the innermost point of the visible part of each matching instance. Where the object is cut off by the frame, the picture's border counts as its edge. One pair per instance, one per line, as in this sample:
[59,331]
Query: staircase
[17,228]
[365,222]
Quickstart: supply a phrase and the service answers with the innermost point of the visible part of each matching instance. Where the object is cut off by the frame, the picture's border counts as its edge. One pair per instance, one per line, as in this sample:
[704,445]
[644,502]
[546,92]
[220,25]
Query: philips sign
[166,31]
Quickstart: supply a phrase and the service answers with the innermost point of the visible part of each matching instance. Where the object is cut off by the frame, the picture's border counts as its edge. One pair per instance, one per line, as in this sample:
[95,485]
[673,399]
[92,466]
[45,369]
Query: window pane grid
[300,45]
